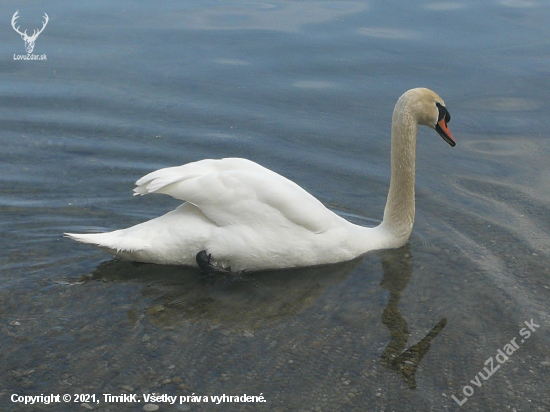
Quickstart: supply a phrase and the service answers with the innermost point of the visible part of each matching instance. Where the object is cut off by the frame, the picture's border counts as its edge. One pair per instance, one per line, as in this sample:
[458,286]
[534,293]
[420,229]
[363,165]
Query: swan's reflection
[250,301]
[397,268]
[245,302]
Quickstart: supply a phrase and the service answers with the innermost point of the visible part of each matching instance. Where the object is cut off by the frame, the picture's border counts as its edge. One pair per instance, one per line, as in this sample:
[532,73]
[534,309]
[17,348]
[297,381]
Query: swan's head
[429,110]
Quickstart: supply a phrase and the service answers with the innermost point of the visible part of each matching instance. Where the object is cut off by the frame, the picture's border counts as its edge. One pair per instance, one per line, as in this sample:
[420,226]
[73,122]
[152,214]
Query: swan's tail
[111,242]
[125,243]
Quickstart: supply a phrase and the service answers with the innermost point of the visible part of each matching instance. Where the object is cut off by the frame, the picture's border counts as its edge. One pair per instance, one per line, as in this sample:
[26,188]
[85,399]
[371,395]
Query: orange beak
[443,130]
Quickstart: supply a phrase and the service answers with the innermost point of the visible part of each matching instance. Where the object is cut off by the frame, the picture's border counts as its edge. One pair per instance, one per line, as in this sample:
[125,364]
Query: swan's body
[249,217]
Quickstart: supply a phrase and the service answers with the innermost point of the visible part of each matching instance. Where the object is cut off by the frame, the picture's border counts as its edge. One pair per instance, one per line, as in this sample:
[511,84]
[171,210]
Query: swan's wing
[239,192]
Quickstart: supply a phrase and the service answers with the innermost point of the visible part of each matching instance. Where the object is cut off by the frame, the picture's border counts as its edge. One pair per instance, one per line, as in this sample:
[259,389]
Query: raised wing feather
[239,192]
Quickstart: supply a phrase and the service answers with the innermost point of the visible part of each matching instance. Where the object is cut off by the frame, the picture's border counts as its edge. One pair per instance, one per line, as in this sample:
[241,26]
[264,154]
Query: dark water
[305,88]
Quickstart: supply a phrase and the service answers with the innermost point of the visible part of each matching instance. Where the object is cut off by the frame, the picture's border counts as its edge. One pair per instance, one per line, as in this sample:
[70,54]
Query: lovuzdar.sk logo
[29,40]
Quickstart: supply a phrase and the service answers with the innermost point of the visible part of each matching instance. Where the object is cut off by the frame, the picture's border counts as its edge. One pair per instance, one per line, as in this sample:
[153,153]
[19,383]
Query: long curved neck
[399,211]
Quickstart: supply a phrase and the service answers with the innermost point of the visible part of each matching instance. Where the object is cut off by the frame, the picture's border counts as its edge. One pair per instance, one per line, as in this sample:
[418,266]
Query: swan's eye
[443,113]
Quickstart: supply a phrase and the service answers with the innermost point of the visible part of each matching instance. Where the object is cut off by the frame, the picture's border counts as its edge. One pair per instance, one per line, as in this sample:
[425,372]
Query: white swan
[250,218]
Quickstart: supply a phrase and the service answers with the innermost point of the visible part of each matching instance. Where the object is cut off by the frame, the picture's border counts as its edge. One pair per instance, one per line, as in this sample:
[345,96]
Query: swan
[238,215]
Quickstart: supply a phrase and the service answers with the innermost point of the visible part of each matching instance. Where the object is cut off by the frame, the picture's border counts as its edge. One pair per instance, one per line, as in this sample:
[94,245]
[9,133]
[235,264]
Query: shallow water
[305,88]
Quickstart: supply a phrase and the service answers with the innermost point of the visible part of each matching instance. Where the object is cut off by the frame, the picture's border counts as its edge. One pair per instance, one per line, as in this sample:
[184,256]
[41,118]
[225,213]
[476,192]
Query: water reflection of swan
[247,301]
[174,294]
[248,217]
[396,265]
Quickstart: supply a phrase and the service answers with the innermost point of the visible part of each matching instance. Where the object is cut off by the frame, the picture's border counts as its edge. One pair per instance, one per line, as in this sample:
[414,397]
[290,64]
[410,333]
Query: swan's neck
[399,211]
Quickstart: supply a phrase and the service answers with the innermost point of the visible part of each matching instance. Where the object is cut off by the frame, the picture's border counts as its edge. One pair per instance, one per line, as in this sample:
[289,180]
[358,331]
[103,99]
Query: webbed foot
[207,268]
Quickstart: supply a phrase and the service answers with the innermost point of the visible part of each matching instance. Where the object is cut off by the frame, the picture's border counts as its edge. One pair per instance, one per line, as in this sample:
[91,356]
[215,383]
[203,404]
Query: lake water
[307,89]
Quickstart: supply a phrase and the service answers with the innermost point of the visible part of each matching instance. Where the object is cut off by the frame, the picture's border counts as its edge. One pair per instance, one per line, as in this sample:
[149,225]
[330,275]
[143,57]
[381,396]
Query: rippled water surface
[307,89]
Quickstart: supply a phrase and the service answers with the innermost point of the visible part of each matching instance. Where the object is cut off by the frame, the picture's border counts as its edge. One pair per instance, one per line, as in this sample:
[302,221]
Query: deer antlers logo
[29,40]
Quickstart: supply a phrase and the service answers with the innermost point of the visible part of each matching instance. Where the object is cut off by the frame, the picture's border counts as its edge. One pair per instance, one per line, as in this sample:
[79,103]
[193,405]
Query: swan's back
[237,191]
